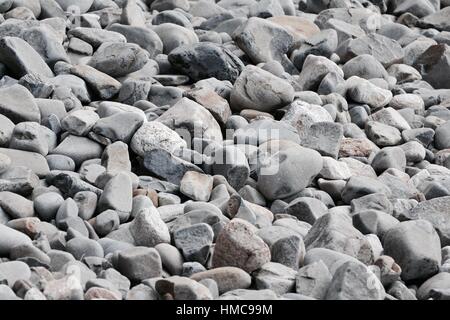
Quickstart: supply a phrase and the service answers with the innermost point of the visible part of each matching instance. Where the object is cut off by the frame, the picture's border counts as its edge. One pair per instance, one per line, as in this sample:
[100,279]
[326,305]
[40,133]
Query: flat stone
[26,110]
[415,246]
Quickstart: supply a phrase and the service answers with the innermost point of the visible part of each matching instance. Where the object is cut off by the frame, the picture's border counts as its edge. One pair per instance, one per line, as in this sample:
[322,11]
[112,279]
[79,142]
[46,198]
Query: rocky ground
[239,149]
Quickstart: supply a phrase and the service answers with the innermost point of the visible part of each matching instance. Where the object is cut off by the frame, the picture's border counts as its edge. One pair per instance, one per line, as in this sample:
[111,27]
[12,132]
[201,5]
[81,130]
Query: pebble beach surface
[232,149]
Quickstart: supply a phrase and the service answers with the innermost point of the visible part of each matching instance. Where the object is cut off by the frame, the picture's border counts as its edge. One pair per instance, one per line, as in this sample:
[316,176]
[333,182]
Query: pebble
[139,263]
[238,246]
[405,243]
[238,149]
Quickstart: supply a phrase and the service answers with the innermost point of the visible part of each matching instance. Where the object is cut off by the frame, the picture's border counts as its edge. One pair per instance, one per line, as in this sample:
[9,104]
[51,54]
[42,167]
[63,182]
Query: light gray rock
[258,89]
[280,179]
[22,58]
[18,105]
[415,246]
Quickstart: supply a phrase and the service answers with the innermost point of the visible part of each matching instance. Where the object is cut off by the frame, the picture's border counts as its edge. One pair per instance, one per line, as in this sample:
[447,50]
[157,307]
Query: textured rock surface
[231,150]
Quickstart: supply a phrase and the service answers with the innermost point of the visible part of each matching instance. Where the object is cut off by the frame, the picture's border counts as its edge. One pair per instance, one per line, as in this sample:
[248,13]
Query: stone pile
[232,149]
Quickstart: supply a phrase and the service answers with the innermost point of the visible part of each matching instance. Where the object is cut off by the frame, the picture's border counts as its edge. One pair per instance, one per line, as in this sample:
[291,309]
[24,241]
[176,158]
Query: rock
[442,135]
[148,229]
[144,37]
[194,241]
[313,280]
[374,222]
[324,137]
[238,246]
[31,160]
[306,209]
[389,157]
[263,41]
[205,60]
[154,134]
[433,63]
[81,247]
[117,195]
[106,222]
[139,263]
[196,186]
[363,91]
[118,59]
[15,205]
[66,288]
[257,89]
[383,135]
[276,277]
[79,122]
[26,110]
[227,278]
[79,149]
[385,50]
[14,271]
[354,281]
[405,243]
[281,179]
[438,20]
[22,58]
[335,232]
[82,5]
[96,37]
[167,166]
[174,36]
[440,281]
[434,211]
[182,288]
[103,85]
[189,115]
[314,70]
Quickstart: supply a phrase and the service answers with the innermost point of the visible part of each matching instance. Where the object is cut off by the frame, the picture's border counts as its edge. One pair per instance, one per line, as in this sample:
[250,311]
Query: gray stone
[148,229]
[276,277]
[196,186]
[174,36]
[227,278]
[167,166]
[139,263]
[14,271]
[117,195]
[81,247]
[415,246]
[191,116]
[335,232]
[385,50]
[144,37]
[18,105]
[259,90]
[47,204]
[102,84]
[205,60]
[263,41]
[306,209]
[118,59]
[354,281]
[280,179]
[182,288]
[313,280]
[79,149]
[389,157]
[324,137]
[194,241]
[435,211]
[79,122]
[153,135]
[22,58]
